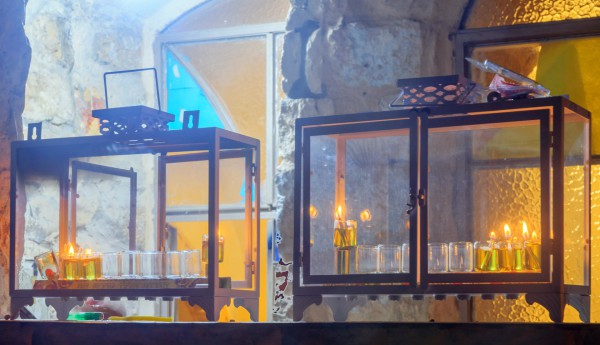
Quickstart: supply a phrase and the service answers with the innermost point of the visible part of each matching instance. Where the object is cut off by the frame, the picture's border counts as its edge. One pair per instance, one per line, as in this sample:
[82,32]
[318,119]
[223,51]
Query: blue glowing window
[184,93]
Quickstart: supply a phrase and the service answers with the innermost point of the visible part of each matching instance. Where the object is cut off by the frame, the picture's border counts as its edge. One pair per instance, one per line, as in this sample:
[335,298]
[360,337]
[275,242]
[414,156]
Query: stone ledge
[44,332]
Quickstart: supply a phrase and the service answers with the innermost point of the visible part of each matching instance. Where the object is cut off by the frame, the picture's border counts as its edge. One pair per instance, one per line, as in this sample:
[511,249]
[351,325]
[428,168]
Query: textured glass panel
[375,178]
[565,67]
[576,207]
[228,13]
[595,225]
[489,13]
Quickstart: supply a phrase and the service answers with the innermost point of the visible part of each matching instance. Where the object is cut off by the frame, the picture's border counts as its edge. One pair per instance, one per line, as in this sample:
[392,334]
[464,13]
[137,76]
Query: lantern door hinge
[253,169]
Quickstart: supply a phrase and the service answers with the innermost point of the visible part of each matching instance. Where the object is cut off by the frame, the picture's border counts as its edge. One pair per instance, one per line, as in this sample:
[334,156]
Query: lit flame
[525,231]
[492,236]
[365,215]
[338,213]
[313,212]
[534,236]
[88,252]
[71,250]
[506,232]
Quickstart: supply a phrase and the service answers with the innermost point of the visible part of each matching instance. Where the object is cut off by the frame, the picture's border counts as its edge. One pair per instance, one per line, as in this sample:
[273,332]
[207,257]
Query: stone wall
[344,56]
[15,55]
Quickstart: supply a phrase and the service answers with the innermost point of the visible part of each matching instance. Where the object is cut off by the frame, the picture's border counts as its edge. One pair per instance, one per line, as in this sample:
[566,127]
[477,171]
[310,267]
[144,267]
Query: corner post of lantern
[162,205]
[63,207]
[256,179]
[213,210]
[249,263]
[420,263]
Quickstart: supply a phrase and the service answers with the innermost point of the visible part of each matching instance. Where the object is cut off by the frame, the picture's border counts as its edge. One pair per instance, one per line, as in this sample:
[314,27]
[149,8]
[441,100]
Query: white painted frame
[269,32]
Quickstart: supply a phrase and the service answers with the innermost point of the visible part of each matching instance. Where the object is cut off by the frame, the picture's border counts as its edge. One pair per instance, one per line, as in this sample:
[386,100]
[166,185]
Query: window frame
[270,33]
[467,39]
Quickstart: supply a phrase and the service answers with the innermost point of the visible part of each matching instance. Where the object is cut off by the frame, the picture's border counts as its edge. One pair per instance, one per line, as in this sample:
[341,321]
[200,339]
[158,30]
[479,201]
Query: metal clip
[412,201]
[34,131]
[194,116]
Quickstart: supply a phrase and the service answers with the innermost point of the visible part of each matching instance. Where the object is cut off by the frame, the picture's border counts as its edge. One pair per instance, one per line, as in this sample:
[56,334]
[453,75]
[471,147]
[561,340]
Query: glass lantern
[477,199]
[151,214]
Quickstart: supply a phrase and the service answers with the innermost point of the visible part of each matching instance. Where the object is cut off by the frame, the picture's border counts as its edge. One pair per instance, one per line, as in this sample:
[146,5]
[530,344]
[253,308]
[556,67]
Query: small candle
[532,249]
[486,255]
[518,254]
[221,251]
[71,264]
[344,234]
[506,258]
[92,265]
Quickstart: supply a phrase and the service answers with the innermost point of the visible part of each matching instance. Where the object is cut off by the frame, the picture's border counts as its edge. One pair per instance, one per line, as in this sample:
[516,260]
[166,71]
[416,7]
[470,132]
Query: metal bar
[161,202]
[249,262]
[257,202]
[213,216]
[63,213]
[557,200]
[133,210]
[305,193]
[298,197]
[133,71]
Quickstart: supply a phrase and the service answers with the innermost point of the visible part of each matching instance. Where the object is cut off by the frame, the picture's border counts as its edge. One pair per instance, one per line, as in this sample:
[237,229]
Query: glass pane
[233,75]
[576,182]
[185,94]
[565,67]
[228,13]
[99,211]
[369,210]
[484,189]
[38,203]
[236,239]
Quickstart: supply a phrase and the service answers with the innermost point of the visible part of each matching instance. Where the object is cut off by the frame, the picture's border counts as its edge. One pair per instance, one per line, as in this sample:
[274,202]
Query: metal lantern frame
[54,158]
[547,287]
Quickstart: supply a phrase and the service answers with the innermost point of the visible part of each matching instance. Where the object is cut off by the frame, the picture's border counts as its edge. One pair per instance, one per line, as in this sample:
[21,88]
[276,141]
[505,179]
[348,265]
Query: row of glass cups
[152,264]
[391,258]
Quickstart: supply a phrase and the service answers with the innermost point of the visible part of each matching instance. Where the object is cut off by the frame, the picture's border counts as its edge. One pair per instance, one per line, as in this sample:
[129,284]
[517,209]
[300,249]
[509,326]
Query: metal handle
[415,199]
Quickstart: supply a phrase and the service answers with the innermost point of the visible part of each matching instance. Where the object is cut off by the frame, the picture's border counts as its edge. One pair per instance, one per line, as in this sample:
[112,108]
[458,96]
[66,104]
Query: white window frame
[269,32]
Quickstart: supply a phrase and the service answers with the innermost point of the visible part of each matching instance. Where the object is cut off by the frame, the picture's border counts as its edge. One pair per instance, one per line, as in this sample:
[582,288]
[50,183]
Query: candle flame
[339,213]
[71,250]
[525,231]
[365,215]
[492,236]
[506,231]
[534,236]
[313,212]
[88,251]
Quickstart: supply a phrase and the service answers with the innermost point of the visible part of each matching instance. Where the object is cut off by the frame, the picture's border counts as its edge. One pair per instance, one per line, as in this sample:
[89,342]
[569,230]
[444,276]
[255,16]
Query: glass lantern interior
[359,180]
[484,189]
[110,205]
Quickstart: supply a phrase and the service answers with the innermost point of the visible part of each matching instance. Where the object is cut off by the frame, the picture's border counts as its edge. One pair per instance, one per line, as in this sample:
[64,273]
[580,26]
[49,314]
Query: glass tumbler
[405,257]
[437,257]
[192,263]
[130,264]
[461,256]
[367,258]
[390,258]
[111,265]
[174,264]
[152,264]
